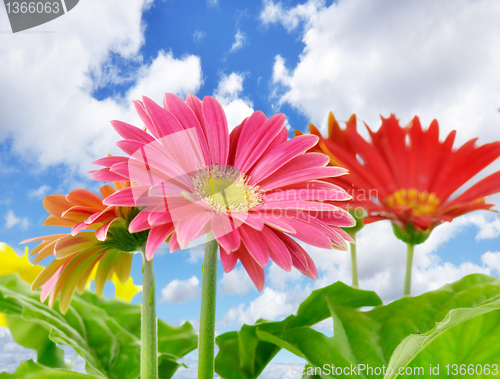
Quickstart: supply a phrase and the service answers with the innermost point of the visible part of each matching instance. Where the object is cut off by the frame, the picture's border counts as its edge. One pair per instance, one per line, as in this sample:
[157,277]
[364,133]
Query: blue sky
[62,82]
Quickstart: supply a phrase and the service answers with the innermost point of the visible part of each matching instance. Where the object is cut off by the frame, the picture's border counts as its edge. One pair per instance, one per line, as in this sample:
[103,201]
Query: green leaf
[244,354]
[452,325]
[174,342]
[106,333]
[32,370]
[33,336]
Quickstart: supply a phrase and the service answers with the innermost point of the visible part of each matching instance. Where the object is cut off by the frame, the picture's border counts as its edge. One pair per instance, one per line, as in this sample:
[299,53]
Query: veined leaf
[106,333]
[244,354]
[452,325]
[32,370]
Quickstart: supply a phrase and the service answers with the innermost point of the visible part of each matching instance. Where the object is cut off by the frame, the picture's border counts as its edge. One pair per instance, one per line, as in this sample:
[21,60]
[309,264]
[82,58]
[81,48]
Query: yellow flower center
[226,189]
[421,203]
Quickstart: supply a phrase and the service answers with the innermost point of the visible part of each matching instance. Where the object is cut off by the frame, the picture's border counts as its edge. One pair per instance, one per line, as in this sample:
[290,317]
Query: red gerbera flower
[408,176]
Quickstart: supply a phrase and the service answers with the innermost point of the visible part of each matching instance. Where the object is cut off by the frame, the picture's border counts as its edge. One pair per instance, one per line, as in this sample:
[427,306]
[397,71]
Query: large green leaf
[106,333]
[452,325]
[244,354]
[33,336]
[32,370]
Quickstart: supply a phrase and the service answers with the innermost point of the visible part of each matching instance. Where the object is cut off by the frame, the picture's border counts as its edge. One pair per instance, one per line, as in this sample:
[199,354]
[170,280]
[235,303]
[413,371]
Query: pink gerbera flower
[254,189]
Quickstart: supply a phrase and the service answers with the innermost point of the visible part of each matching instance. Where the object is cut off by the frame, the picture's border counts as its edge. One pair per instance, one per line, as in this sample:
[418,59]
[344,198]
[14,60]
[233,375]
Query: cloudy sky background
[62,82]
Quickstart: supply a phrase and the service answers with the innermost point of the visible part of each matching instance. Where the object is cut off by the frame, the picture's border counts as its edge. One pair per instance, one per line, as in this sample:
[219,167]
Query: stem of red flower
[206,339]
[409,263]
[149,333]
[354,265]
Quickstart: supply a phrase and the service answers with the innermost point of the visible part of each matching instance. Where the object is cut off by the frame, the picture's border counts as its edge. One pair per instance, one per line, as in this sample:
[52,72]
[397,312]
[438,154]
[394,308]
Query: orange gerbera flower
[99,239]
[407,175]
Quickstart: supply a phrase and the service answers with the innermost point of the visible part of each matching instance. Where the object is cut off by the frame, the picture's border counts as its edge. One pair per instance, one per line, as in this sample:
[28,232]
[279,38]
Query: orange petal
[56,204]
[70,245]
[84,198]
[106,190]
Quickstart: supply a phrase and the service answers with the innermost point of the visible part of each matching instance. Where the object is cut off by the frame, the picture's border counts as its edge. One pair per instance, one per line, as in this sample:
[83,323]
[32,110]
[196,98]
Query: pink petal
[228,259]
[164,122]
[110,161]
[102,232]
[216,130]
[186,116]
[157,235]
[337,217]
[196,106]
[299,260]
[126,197]
[258,142]
[158,218]
[189,228]
[309,232]
[130,132]
[225,232]
[234,137]
[251,219]
[281,155]
[300,176]
[254,270]
[105,215]
[141,111]
[174,243]
[273,220]
[49,284]
[149,166]
[248,128]
[278,251]
[230,241]
[105,175]
[255,245]
[139,223]
[78,227]
[281,138]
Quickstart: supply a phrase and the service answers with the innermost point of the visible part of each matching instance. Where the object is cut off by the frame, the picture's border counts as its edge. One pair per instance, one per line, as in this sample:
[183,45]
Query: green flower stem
[206,340]
[409,263]
[149,333]
[354,265]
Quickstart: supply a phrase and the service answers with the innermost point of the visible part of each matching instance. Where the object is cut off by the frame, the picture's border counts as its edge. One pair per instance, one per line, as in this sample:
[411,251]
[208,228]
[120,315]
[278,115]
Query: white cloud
[386,276]
[40,192]
[47,81]
[180,291]
[492,260]
[11,353]
[236,282]
[291,18]
[12,220]
[240,40]
[427,58]
[212,3]
[269,305]
[179,76]
[228,94]
[198,35]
